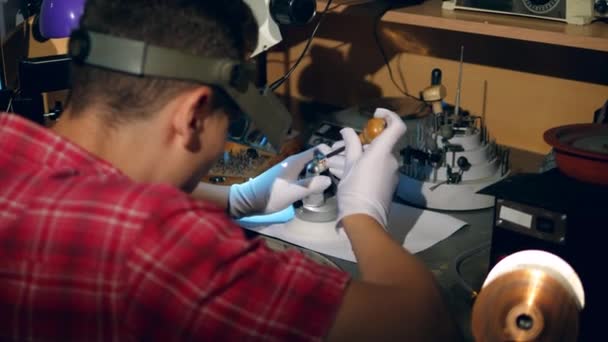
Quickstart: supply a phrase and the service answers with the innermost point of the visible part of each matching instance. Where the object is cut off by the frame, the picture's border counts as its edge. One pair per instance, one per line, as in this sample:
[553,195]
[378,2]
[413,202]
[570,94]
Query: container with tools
[451,158]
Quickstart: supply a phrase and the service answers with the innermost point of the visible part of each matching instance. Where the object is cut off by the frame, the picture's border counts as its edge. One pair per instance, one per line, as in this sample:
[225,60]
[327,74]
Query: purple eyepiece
[59,17]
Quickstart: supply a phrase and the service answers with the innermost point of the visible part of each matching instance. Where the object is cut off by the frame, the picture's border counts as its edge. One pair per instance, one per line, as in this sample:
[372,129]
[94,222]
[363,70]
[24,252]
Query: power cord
[9,107]
[458,262]
[274,85]
[385,57]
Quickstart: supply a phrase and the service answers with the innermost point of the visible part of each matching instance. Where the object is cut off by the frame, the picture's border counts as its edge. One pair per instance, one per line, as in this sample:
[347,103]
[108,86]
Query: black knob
[293,12]
[601,6]
[436,77]
[463,163]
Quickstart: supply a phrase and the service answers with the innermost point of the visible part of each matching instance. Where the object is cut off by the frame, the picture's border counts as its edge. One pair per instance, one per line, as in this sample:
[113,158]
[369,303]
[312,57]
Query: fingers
[324,148]
[295,164]
[336,162]
[395,129]
[335,165]
[353,149]
[337,145]
[304,157]
[312,185]
[285,193]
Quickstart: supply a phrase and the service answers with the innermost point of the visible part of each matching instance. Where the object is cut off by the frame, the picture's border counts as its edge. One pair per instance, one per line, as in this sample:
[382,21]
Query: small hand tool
[373,129]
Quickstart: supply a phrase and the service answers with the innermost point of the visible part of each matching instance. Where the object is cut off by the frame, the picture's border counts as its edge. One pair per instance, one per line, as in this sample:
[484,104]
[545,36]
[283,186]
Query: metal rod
[335,152]
[458,89]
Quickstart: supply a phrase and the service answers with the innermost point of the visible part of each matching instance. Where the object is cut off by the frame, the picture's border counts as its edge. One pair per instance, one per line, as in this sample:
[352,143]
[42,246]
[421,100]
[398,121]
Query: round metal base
[456,197]
[324,213]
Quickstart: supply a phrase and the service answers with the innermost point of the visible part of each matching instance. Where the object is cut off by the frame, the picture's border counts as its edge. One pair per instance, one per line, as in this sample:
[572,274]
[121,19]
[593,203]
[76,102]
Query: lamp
[272,13]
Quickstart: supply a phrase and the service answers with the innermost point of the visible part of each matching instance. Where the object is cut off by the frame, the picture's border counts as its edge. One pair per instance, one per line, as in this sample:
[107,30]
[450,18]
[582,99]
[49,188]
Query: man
[101,242]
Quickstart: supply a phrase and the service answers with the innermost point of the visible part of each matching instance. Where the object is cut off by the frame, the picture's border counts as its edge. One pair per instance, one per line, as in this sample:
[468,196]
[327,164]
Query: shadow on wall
[333,64]
[356,55]
[355,59]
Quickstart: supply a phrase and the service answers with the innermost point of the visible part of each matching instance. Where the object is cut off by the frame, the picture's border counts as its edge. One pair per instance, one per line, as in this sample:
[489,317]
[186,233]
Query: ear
[191,109]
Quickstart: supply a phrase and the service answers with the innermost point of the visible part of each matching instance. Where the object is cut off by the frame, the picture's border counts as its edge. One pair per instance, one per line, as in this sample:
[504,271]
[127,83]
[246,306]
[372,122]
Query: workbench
[469,246]
[468,249]
[442,259]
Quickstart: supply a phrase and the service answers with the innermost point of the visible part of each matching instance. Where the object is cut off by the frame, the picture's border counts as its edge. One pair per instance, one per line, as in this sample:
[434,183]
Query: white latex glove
[370,177]
[336,163]
[277,188]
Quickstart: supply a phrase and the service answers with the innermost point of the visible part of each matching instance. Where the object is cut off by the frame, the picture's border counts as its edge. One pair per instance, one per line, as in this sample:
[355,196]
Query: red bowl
[581,151]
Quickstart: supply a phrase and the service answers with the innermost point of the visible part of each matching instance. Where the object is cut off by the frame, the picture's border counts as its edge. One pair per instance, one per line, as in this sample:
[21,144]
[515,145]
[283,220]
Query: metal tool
[373,129]
[324,207]
[459,87]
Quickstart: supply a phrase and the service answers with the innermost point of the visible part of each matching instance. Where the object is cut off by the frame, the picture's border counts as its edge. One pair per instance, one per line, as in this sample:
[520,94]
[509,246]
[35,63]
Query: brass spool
[526,305]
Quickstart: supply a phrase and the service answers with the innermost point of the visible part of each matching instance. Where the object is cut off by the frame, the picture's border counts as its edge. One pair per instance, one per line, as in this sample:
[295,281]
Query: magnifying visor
[235,78]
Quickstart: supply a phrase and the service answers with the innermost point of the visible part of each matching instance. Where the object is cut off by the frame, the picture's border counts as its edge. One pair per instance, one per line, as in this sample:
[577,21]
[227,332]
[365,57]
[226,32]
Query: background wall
[521,88]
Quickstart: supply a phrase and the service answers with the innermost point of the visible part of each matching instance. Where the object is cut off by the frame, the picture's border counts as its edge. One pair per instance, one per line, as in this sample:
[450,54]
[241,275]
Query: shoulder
[162,212]
[139,205]
[154,197]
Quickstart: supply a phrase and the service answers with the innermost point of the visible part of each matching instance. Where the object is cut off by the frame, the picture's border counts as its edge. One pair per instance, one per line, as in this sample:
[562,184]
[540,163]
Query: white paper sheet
[417,229]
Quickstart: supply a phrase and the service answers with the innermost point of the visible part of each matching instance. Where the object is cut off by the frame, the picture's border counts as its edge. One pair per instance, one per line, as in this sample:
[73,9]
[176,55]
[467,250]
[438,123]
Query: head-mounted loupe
[141,59]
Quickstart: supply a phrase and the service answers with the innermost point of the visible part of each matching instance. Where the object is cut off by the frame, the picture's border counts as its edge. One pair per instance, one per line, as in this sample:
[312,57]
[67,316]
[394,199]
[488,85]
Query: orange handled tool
[373,129]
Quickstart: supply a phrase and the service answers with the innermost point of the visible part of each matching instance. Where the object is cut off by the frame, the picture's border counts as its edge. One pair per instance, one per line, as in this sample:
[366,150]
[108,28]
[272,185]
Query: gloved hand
[277,188]
[335,164]
[370,175]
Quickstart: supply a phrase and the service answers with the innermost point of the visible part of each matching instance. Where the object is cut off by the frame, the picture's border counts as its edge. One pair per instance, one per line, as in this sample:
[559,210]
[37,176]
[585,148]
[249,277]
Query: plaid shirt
[87,254]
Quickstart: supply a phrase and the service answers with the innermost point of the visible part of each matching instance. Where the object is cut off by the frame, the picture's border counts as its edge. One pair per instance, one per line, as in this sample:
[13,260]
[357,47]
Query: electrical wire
[458,262]
[9,107]
[274,85]
[385,57]
[10,104]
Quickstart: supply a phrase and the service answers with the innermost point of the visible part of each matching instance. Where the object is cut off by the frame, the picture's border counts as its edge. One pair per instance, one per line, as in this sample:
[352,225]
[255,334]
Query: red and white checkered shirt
[86,254]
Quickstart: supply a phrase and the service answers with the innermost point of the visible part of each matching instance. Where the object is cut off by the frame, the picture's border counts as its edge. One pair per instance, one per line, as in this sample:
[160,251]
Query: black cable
[385,57]
[9,107]
[458,262]
[274,85]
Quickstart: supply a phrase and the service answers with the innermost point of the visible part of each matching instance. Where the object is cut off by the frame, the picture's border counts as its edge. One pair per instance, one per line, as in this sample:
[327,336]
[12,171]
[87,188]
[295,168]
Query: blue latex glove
[277,188]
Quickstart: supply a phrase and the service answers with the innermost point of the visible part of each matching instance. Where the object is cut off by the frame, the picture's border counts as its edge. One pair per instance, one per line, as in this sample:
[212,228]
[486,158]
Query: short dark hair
[207,28]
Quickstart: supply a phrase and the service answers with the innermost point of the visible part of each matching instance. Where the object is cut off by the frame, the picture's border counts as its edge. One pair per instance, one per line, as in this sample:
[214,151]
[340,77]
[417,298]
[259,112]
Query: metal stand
[326,211]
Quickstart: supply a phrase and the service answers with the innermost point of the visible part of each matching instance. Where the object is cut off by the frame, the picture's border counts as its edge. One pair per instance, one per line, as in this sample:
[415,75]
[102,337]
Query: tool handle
[373,129]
